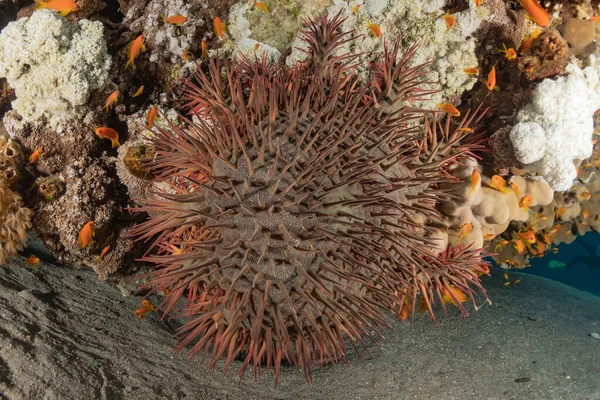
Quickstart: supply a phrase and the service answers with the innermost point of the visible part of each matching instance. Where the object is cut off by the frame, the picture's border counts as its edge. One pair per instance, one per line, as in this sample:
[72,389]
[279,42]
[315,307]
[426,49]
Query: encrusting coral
[298,209]
[15,219]
[53,65]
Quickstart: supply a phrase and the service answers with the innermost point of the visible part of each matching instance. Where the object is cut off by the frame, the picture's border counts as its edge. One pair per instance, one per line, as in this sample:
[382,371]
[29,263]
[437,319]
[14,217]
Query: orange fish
[536,12]
[509,53]
[34,156]
[110,100]
[355,9]
[103,252]
[499,183]
[475,180]
[375,29]
[147,306]
[256,47]
[559,211]
[464,129]
[596,18]
[506,283]
[64,7]
[32,260]
[520,246]
[175,19]
[585,195]
[139,91]
[516,281]
[448,109]
[86,235]
[515,188]
[203,47]
[185,55]
[108,133]
[135,48]
[585,214]
[219,28]
[261,6]
[465,230]
[450,21]
[489,236]
[478,3]
[528,39]
[471,71]
[490,83]
[447,297]
[500,244]
[525,202]
[541,246]
[528,236]
[506,276]
[151,117]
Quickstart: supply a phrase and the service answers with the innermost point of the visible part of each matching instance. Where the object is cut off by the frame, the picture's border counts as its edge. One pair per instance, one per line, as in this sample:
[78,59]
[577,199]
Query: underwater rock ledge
[66,335]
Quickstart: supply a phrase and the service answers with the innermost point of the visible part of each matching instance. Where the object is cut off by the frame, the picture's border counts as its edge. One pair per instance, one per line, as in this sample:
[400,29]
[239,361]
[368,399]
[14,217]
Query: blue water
[582,264]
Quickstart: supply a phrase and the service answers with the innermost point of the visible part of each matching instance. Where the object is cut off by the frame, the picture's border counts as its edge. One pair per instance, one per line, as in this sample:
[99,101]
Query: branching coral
[53,65]
[293,212]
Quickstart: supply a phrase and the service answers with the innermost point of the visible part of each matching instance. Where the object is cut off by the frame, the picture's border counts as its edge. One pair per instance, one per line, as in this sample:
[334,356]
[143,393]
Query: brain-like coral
[297,210]
[53,65]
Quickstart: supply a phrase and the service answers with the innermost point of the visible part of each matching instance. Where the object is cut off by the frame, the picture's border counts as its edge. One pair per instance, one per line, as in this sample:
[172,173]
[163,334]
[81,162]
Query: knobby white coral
[53,65]
[557,126]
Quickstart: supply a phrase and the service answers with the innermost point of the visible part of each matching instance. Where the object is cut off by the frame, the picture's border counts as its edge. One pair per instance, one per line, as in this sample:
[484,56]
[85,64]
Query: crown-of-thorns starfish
[289,211]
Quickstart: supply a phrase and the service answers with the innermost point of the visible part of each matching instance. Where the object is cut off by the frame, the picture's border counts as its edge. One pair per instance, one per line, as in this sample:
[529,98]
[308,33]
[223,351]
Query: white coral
[53,65]
[557,126]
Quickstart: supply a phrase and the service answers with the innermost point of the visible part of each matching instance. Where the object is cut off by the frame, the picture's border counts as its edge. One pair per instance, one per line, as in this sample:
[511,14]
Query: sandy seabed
[66,335]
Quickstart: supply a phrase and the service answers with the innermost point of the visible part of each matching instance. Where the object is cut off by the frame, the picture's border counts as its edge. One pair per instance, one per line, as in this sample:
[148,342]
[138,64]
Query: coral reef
[53,65]
[15,219]
[557,126]
[298,209]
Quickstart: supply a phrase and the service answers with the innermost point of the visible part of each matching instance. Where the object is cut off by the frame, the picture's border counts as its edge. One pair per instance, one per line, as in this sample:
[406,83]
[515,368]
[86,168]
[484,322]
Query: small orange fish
[559,211]
[465,230]
[528,39]
[585,214]
[515,281]
[520,246]
[203,47]
[490,83]
[450,21]
[34,156]
[475,180]
[500,244]
[147,306]
[139,91]
[32,260]
[489,236]
[151,117]
[108,133]
[185,55]
[525,202]
[528,236]
[135,48]
[506,283]
[256,47]
[103,252]
[219,27]
[541,246]
[355,9]
[471,71]
[465,129]
[509,53]
[546,238]
[596,18]
[505,275]
[515,188]
[458,294]
[175,20]
[554,250]
[86,235]
[261,6]
[64,7]
[448,109]
[536,12]
[499,183]
[478,3]
[110,100]
[374,29]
